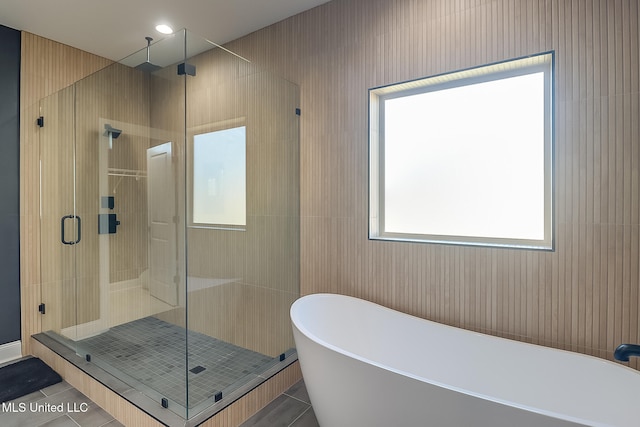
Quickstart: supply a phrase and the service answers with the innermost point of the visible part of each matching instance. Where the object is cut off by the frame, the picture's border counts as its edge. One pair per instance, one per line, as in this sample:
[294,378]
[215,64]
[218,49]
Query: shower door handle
[78,224]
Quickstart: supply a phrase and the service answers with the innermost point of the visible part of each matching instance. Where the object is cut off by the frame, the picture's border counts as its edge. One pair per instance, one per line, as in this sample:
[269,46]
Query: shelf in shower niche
[127,172]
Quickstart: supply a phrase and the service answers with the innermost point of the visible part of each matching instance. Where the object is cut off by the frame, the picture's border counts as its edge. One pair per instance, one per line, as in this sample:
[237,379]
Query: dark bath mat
[24,377]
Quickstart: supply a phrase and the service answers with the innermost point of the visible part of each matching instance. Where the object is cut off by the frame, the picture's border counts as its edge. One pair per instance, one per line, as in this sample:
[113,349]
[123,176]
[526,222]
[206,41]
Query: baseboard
[10,351]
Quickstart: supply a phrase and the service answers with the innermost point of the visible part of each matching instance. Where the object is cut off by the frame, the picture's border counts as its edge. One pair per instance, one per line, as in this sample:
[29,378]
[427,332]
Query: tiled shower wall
[584,295]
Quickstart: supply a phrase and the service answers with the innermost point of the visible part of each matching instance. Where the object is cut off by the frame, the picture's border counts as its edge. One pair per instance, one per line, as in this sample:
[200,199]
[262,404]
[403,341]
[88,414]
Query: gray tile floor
[152,353]
[41,409]
[290,409]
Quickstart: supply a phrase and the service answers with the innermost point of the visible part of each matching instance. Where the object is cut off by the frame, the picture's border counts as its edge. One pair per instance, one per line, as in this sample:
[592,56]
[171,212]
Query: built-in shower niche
[132,280]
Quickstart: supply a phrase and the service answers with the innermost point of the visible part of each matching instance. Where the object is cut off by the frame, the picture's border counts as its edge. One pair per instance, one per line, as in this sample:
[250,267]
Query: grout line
[296,398]
[107,423]
[299,416]
[62,390]
[72,420]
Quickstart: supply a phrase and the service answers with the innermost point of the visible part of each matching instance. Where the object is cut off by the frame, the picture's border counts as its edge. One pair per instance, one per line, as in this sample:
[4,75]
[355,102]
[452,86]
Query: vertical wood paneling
[584,296]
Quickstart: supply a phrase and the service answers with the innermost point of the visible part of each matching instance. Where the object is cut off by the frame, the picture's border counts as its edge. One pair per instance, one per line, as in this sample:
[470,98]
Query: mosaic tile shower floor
[152,352]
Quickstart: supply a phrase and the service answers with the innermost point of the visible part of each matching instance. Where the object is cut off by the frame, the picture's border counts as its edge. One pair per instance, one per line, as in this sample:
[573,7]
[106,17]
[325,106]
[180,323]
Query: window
[465,157]
[219,196]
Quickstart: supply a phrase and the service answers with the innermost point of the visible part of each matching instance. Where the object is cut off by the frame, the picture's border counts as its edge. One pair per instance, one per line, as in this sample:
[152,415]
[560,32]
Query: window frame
[514,67]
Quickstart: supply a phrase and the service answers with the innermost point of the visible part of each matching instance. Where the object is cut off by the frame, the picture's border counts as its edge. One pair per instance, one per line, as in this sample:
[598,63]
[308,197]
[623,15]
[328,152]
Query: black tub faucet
[623,351]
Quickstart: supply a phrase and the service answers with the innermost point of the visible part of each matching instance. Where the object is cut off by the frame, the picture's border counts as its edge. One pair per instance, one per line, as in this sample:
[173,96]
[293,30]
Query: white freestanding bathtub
[367,365]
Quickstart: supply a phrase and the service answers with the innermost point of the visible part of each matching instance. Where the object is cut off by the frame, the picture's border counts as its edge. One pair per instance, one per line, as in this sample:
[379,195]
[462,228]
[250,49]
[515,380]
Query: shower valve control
[107,223]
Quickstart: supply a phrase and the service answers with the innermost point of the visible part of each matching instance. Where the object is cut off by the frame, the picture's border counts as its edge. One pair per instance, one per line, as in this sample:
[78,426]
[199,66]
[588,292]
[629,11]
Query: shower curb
[152,409]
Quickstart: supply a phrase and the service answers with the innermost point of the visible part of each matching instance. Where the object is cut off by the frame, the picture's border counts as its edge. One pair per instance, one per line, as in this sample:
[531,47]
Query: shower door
[74,298]
[60,223]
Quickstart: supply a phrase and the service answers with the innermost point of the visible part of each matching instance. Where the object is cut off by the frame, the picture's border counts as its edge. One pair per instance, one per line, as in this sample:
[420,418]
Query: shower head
[147,66]
[115,133]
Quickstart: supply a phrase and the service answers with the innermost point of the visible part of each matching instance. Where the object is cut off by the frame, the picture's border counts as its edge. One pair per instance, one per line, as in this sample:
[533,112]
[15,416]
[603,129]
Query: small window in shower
[219,197]
[465,157]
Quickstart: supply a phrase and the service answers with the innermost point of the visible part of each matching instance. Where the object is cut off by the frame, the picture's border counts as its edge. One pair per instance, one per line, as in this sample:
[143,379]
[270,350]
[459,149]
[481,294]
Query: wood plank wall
[581,297]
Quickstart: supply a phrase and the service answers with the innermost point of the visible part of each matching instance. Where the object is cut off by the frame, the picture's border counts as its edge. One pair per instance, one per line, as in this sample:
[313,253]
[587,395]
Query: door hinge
[41,308]
[40,121]
[176,279]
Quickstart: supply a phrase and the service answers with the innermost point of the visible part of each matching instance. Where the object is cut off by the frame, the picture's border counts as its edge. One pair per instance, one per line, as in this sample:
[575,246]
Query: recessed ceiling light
[164,29]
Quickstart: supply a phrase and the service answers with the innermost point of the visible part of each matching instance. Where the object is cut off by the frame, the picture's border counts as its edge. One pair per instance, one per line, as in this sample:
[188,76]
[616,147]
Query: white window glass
[465,159]
[219,177]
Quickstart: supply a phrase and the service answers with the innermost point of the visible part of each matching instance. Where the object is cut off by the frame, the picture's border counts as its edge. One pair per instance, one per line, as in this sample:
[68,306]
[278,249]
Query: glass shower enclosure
[170,220]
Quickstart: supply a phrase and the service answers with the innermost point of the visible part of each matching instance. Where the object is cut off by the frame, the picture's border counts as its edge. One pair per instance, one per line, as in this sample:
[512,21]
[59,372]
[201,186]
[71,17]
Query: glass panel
[241,283]
[58,225]
[130,186]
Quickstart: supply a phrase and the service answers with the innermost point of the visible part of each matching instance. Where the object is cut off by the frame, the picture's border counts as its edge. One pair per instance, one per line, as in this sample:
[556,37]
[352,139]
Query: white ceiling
[116,28]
